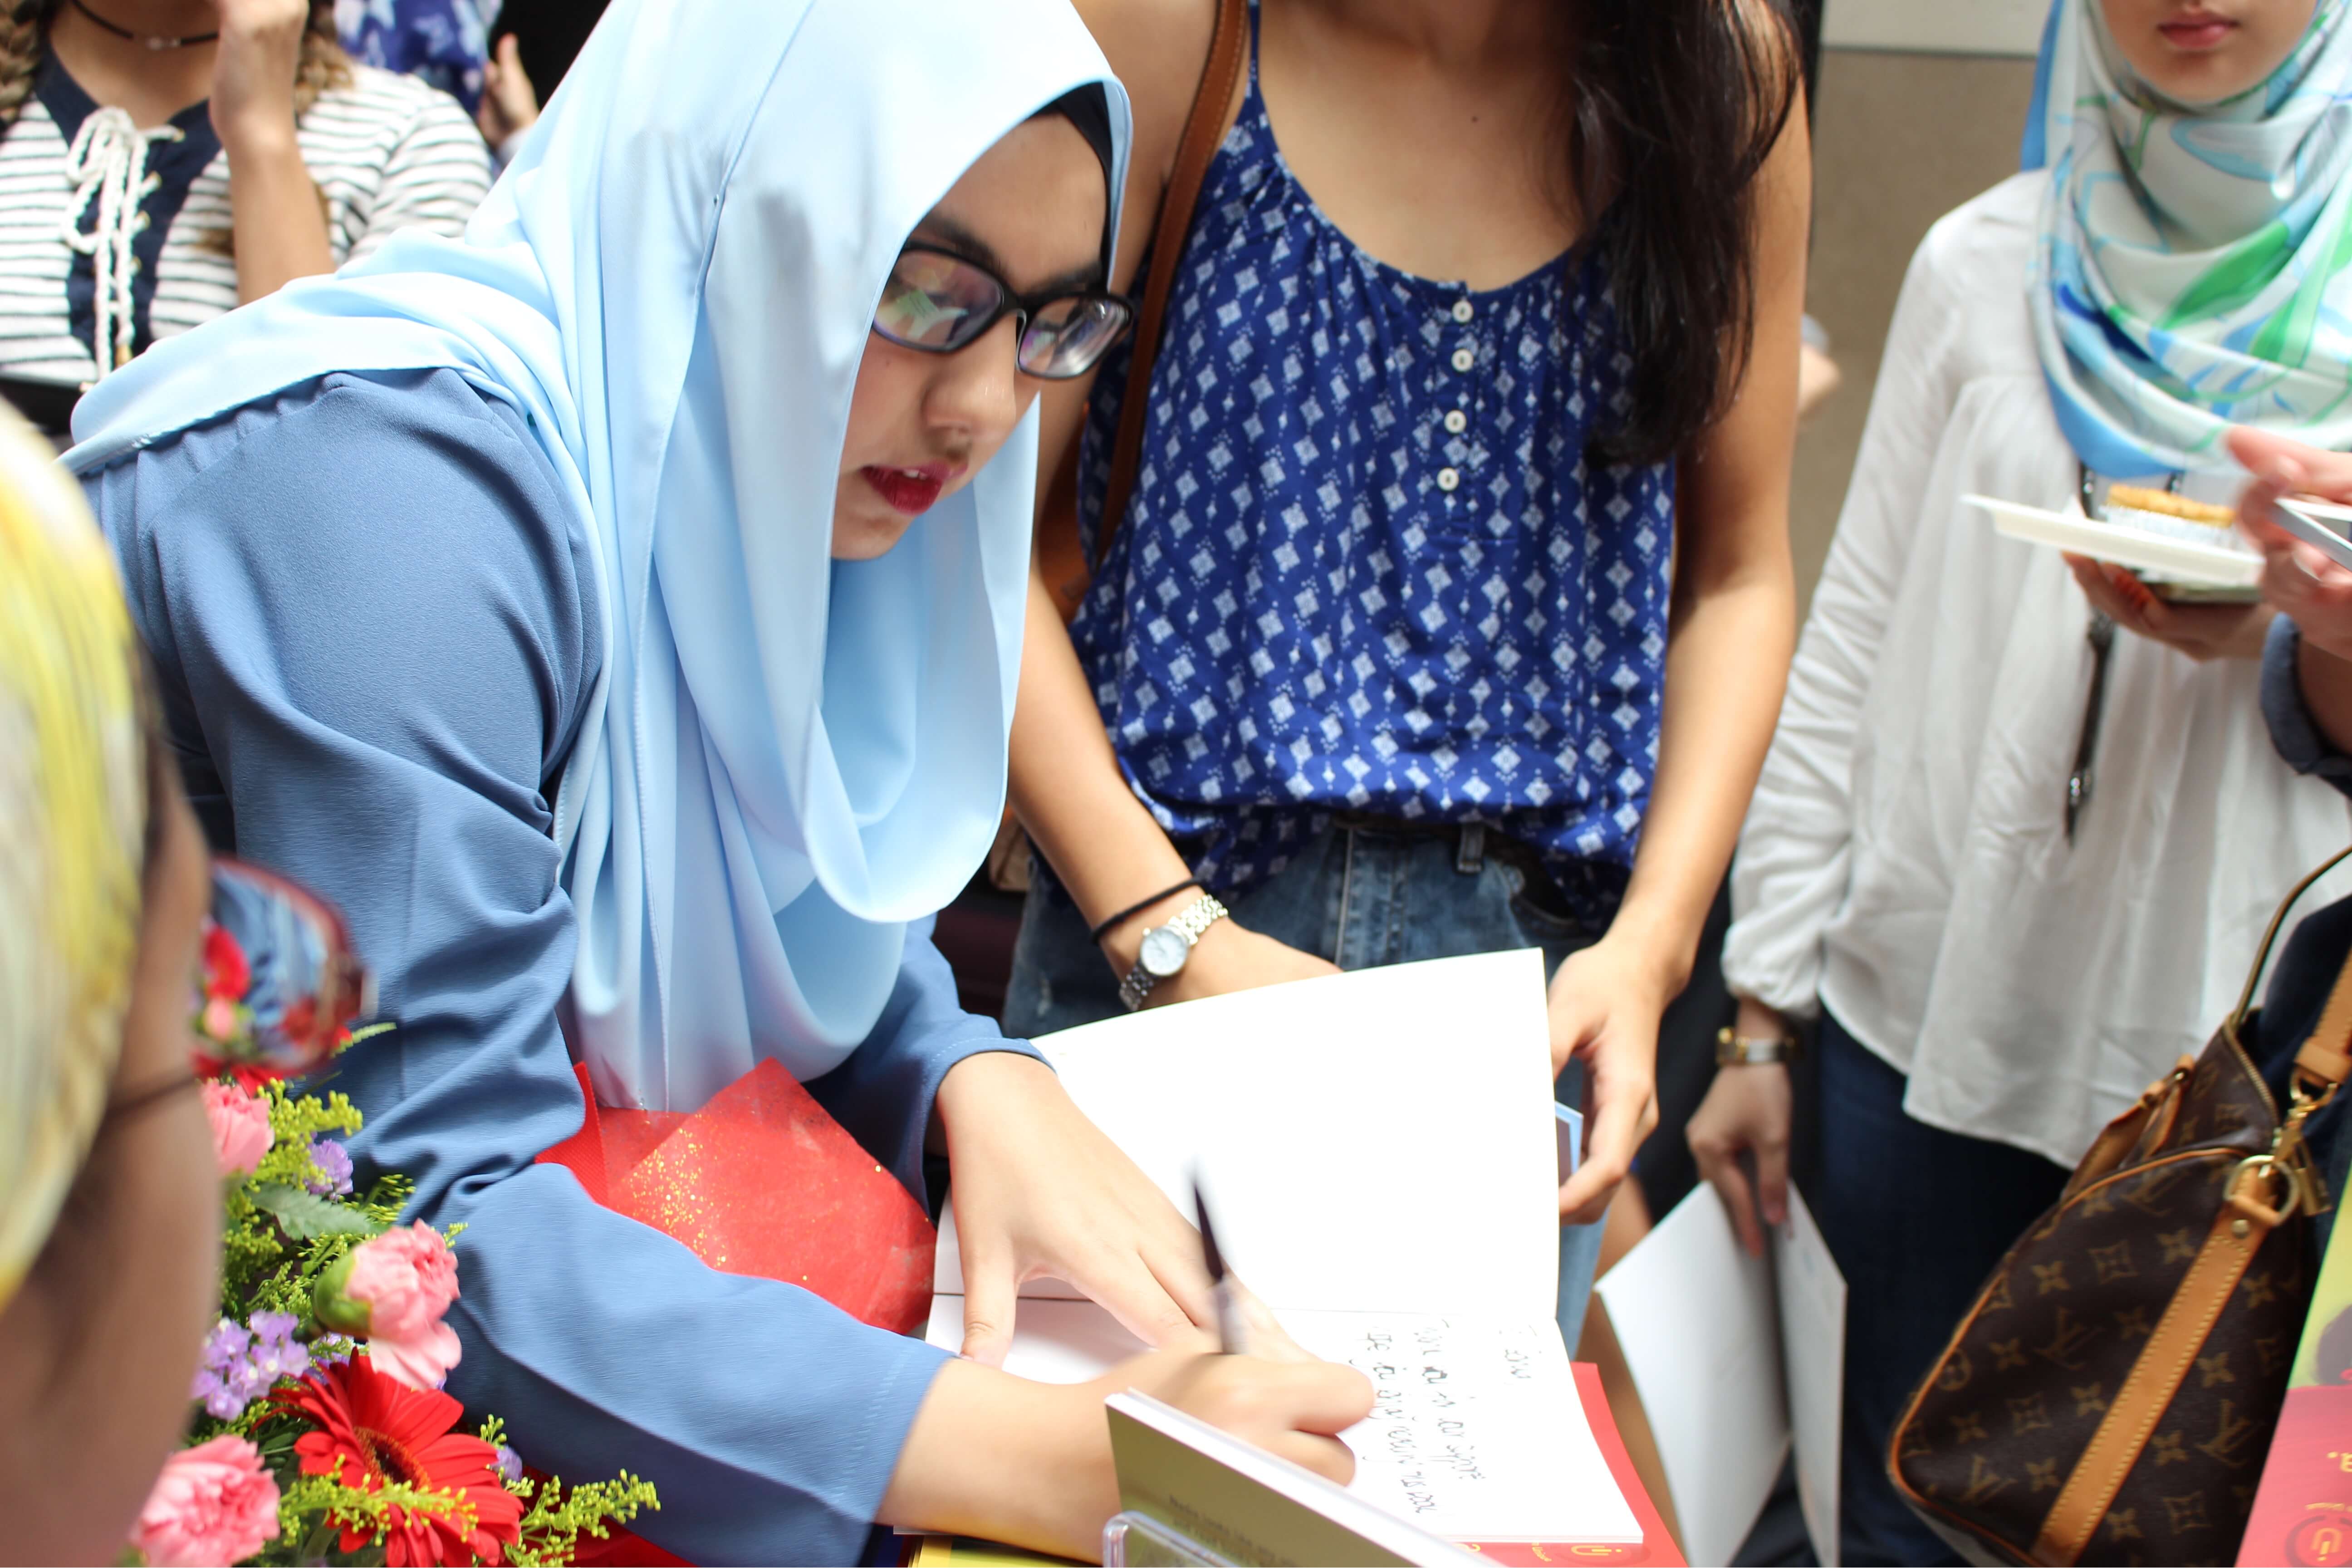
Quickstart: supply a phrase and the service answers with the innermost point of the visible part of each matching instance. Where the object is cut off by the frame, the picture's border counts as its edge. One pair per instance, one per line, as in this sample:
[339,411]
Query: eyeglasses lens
[1069,335]
[934,301]
[290,953]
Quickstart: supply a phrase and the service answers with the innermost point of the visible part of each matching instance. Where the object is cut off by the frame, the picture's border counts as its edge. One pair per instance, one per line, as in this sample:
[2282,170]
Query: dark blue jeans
[1916,1218]
[1360,897]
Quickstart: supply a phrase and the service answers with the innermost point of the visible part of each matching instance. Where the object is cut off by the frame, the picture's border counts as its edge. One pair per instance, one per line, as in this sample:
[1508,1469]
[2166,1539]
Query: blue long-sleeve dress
[374,625]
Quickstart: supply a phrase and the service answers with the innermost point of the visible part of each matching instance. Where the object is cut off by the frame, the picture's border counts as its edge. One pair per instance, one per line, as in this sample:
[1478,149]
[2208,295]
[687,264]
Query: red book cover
[1658,1548]
[2302,1511]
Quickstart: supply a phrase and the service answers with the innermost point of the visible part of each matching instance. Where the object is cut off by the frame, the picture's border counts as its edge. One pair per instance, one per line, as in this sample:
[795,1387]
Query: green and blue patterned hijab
[2194,266]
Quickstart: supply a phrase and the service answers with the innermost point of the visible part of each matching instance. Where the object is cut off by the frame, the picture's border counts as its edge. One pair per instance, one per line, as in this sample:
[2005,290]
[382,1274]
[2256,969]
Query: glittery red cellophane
[762,1181]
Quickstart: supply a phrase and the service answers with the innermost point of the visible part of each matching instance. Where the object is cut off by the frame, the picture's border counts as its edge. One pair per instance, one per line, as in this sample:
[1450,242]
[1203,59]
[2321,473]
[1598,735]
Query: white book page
[1812,1352]
[1699,1325]
[1380,1140]
[1476,1433]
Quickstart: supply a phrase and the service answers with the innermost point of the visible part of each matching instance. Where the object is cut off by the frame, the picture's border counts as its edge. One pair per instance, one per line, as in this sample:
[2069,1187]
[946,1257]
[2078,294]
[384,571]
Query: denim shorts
[1363,894]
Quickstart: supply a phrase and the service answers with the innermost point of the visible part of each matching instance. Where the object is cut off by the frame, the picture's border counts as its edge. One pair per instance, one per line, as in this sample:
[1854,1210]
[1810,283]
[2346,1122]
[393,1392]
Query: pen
[1232,1339]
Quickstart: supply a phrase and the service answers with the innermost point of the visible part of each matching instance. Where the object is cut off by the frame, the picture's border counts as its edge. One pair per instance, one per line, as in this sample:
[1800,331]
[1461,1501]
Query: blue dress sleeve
[373,624]
[2292,729]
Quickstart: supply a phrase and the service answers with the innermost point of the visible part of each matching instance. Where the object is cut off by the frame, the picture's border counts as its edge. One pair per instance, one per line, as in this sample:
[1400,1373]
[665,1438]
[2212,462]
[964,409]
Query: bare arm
[1006,1460]
[279,226]
[1067,786]
[1733,627]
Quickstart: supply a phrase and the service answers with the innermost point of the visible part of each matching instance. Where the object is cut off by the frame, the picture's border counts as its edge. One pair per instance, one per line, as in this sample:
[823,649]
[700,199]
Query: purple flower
[335,1164]
[277,1353]
[224,1376]
[240,1364]
[510,1464]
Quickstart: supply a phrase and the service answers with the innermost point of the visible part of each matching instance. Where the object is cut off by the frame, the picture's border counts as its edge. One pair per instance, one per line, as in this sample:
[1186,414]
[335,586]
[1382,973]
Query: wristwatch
[1735,1050]
[1166,948]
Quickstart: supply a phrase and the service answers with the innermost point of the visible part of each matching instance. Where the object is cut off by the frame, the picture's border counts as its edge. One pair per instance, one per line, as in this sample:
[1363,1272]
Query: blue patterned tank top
[1366,566]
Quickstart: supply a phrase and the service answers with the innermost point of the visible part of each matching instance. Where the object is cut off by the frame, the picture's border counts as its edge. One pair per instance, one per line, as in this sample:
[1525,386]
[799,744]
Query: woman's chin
[864,535]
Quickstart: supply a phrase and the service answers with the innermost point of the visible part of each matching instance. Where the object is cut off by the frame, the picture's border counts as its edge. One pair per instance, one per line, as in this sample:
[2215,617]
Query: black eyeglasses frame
[1023,307]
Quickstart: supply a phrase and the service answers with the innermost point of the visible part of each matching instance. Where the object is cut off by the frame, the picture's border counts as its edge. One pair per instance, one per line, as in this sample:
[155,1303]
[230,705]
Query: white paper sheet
[1380,1140]
[1698,1322]
[1812,1295]
[1476,1434]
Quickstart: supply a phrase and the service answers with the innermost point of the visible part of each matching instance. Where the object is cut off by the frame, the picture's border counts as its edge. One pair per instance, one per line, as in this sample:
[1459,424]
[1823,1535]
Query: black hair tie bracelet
[1131,911]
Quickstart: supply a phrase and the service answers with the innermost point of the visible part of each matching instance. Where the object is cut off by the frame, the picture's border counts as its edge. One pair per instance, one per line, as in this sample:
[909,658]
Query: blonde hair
[73,813]
[24,27]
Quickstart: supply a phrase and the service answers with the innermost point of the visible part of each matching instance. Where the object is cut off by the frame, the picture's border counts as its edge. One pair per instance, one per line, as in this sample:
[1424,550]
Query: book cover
[2302,1511]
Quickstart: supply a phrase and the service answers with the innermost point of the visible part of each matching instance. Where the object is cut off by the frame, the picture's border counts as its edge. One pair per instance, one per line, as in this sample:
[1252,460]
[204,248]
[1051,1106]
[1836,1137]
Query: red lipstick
[2196,31]
[909,490]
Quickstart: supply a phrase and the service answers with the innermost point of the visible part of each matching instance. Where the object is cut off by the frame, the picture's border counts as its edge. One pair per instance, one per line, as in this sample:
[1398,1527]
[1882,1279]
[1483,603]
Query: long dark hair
[1674,105]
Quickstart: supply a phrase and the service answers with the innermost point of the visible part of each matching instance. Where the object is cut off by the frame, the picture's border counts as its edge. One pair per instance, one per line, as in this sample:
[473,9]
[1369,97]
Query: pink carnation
[214,1503]
[241,1134]
[407,1279]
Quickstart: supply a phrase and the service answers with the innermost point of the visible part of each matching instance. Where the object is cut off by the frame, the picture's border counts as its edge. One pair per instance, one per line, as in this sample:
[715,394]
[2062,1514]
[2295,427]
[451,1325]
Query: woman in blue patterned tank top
[1388,658]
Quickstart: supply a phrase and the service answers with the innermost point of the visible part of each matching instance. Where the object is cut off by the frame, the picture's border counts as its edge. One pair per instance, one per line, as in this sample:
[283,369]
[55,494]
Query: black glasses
[939,302]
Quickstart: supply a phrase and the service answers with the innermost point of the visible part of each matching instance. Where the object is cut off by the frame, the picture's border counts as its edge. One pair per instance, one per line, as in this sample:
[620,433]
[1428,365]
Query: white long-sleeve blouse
[1905,863]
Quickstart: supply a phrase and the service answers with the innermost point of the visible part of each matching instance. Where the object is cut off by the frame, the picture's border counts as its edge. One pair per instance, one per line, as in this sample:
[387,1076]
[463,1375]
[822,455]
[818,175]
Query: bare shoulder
[1156,48]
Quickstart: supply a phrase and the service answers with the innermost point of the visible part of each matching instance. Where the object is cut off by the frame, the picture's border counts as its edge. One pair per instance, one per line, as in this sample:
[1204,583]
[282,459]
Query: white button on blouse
[1461,310]
[1456,422]
[1464,359]
[1447,478]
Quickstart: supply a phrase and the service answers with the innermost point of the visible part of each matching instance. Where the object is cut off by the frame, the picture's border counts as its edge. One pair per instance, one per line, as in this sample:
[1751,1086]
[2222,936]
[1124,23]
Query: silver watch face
[1163,952]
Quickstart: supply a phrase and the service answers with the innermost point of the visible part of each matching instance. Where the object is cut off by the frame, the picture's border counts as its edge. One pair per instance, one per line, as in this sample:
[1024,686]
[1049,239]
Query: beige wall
[1899,140]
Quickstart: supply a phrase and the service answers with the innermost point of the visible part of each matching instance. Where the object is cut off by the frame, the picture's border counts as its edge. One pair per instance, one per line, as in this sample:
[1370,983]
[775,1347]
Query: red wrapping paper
[761,1181]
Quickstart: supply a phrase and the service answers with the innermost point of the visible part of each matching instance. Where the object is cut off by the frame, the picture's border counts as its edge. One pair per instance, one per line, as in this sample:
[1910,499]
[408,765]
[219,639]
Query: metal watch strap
[1190,922]
[1733,1049]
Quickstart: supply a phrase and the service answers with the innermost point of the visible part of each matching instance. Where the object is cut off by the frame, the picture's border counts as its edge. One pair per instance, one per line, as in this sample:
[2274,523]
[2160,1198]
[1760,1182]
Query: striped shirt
[100,222]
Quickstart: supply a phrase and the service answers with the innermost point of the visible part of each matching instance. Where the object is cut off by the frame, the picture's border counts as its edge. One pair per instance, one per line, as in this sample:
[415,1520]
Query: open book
[1380,1152]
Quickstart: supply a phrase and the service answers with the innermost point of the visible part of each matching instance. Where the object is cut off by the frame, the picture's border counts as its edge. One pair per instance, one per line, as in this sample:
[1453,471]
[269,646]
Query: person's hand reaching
[1747,1111]
[1605,1006]
[2200,631]
[260,52]
[1039,1191]
[2299,579]
[509,103]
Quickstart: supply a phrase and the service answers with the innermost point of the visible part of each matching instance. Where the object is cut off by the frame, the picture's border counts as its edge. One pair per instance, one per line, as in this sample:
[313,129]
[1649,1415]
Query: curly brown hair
[24,27]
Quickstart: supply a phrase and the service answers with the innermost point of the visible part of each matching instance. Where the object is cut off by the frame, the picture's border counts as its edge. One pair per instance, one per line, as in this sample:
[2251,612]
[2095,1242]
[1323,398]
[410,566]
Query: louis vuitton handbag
[2110,1395]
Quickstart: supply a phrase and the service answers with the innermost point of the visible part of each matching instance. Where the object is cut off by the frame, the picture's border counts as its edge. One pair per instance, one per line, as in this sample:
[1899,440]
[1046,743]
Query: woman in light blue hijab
[617,612]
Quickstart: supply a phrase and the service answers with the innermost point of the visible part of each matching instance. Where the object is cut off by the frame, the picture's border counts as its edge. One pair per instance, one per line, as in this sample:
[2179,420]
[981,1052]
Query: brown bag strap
[1066,570]
[2149,1389]
[2269,937]
[2327,1056]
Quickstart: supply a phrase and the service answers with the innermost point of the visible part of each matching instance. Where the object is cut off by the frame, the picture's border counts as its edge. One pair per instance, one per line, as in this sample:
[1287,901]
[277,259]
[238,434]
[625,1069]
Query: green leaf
[307,1216]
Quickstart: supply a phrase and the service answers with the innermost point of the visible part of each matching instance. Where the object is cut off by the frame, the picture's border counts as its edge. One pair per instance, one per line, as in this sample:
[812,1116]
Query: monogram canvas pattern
[2004,1417]
[1367,565]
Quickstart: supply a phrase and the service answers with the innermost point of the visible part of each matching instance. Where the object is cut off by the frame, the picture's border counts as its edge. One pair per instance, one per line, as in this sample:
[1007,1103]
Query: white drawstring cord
[108,161]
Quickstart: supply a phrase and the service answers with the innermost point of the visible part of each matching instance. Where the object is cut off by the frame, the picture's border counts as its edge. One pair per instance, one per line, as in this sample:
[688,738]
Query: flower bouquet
[320,1432]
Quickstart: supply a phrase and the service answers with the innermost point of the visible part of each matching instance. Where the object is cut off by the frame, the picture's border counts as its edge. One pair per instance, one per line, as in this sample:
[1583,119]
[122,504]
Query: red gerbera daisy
[228,975]
[384,1432]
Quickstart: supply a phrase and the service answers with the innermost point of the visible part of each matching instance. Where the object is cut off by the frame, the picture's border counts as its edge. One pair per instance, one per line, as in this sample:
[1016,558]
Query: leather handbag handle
[1228,49]
[1065,570]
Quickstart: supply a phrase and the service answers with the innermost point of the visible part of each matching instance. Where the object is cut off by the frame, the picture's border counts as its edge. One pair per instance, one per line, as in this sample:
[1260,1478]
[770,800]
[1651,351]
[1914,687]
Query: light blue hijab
[2194,265]
[785,759]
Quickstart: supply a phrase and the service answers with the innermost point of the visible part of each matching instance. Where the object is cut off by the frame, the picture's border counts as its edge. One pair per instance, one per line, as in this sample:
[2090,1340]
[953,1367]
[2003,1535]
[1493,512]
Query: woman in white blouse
[1997,973]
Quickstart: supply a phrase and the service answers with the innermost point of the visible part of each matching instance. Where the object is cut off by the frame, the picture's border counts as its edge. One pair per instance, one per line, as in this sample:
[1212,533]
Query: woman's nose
[979,390]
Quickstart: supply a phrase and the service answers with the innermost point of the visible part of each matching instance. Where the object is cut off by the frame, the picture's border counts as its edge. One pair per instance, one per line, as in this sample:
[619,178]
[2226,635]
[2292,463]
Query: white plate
[2204,565]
